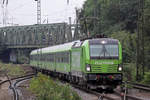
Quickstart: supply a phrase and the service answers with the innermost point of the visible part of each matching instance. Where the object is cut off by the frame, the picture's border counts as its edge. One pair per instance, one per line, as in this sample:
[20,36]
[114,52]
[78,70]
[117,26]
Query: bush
[129,72]
[47,89]
[146,79]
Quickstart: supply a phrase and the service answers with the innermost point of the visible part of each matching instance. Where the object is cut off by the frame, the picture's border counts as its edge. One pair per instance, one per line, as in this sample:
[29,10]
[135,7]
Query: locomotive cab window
[104,51]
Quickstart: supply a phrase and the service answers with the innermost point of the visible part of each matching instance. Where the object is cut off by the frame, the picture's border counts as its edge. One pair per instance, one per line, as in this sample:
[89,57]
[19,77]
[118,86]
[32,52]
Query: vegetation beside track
[47,89]
[146,79]
[130,74]
[12,69]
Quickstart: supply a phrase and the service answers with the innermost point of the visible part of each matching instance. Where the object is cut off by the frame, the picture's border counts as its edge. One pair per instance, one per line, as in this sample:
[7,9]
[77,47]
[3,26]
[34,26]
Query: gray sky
[23,12]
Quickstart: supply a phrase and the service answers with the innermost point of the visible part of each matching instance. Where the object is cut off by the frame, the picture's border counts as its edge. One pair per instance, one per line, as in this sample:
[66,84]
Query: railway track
[126,96]
[14,82]
[101,96]
[139,86]
[117,95]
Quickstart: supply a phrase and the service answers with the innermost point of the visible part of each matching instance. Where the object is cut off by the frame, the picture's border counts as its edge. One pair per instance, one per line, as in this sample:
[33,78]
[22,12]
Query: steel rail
[18,81]
[16,78]
[15,93]
[127,96]
[13,85]
[139,86]
[100,96]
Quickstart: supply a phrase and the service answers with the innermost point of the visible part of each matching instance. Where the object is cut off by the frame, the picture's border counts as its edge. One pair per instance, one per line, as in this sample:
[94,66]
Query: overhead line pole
[142,36]
[140,61]
[38,11]
[39,22]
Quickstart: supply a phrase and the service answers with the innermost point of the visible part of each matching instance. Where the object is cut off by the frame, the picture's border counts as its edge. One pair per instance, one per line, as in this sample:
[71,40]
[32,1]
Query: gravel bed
[84,95]
[139,93]
[26,94]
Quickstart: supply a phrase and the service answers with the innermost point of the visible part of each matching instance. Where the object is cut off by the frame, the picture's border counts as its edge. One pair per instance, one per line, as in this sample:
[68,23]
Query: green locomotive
[95,62]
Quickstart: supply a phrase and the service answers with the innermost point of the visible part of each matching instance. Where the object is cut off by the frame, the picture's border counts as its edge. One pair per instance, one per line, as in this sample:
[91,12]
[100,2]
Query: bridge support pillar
[13,56]
[4,54]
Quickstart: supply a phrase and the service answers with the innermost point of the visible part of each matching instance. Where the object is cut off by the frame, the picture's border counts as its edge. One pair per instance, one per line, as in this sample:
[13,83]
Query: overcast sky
[23,12]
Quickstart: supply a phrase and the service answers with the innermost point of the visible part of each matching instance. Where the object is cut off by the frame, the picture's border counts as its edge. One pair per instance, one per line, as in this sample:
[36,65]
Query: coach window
[57,57]
[66,57]
[41,57]
[44,57]
[51,57]
[48,57]
[60,57]
[31,57]
[34,57]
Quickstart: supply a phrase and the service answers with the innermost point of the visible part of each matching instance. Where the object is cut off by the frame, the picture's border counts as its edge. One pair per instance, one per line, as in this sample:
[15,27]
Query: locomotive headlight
[88,68]
[119,68]
[103,42]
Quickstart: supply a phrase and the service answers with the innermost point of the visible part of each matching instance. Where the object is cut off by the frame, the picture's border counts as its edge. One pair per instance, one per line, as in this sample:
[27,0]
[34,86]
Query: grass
[47,89]
[12,69]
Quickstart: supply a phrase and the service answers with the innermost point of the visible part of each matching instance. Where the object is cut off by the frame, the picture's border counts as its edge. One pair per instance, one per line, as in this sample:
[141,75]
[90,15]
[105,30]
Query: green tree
[113,15]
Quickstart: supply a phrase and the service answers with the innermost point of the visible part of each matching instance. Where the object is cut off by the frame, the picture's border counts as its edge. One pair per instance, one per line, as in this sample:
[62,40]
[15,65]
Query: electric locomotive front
[103,62]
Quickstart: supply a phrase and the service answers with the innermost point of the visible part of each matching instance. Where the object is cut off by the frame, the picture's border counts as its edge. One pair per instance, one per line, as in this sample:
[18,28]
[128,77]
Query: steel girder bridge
[20,40]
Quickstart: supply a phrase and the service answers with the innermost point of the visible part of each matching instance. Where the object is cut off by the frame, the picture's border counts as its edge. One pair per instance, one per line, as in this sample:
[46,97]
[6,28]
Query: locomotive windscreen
[104,50]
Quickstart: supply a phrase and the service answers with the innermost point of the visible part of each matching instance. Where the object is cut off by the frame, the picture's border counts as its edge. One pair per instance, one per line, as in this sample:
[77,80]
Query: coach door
[76,62]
